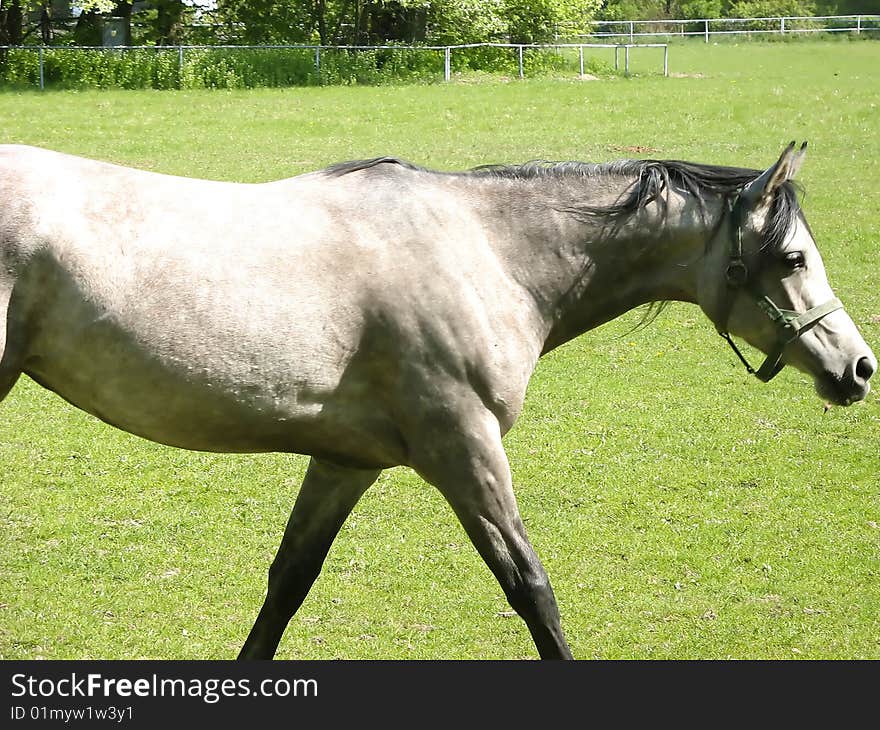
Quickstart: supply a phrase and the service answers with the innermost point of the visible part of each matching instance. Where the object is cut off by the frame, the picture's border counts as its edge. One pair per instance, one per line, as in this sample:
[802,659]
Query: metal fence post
[782,25]
[626,60]
[631,32]
[858,24]
[447,52]
[706,28]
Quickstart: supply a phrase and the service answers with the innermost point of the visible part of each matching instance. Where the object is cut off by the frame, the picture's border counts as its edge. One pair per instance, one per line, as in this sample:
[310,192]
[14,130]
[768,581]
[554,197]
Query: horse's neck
[584,271]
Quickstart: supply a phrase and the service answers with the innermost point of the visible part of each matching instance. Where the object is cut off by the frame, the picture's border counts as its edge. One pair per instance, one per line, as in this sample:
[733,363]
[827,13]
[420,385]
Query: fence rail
[708,27]
[319,51]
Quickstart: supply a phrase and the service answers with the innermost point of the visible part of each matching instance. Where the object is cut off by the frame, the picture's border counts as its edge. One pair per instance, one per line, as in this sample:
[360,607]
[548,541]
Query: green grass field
[682,509]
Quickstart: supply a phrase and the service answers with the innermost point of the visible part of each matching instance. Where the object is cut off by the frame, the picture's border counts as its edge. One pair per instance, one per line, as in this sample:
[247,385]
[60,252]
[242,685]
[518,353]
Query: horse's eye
[794,260]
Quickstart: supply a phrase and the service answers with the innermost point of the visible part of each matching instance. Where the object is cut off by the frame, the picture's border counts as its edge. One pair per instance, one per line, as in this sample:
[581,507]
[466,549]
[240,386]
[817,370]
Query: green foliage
[73,68]
[20,69]
[516,21]
[466,21]
[223,68]
[690,9]
[438,21]
[268,21]
[537,62]
[771,8]
[633,10]
[384,66]
[539,21]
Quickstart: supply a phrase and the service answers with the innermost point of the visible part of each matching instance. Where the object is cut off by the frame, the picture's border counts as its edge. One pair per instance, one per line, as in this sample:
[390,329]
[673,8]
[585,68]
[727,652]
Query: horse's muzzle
[858,375]
[864,369]
[852,386]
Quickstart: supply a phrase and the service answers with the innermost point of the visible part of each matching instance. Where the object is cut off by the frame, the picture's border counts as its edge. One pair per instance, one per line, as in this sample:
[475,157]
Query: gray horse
[375,314]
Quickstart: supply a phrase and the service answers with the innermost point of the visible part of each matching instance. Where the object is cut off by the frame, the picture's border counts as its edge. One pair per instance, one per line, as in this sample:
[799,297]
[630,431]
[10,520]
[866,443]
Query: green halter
[790,325]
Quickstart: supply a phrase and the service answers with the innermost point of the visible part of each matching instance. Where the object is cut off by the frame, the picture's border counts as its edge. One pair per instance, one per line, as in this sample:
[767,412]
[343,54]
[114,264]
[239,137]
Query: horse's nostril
[865,369]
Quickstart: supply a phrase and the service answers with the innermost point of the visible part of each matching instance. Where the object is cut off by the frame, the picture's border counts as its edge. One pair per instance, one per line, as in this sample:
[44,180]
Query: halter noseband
[790,325]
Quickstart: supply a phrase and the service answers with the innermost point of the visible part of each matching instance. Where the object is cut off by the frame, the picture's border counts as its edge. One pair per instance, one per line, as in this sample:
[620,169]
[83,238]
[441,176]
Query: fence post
[706,27]
[666,60]
[521,74]
[581,58]
[42,84]
[626,60]
[782,25]
[616,61]
[630,31]
[180,67]
[858,24]
[318,63]
[447,63]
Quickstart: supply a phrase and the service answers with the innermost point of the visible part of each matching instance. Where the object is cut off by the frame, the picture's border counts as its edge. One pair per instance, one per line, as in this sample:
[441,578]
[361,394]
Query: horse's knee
[529,592]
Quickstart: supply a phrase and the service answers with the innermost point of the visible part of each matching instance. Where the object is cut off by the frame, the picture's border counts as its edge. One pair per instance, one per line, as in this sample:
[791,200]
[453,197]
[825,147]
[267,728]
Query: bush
[223,68]
[226,68]
[771,9]
[79,68]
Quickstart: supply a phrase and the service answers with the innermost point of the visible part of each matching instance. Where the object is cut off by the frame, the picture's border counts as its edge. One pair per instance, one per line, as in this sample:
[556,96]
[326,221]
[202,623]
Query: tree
[11,27]
[540,21]
[269,21]
[771,8]
[358,22]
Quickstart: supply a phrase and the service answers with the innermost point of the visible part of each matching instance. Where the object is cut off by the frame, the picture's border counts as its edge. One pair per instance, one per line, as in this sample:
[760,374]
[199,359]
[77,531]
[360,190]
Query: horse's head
[763,280]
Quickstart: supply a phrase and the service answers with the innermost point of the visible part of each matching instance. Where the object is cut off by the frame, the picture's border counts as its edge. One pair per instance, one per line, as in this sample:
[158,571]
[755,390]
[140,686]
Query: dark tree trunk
[46,25]
[320,18]
[11,24]
[88,29]
[168,22]
[123,10]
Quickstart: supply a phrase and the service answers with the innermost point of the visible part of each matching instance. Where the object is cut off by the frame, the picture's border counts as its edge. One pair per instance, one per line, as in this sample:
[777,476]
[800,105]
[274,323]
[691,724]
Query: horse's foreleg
[469,466]
[327,496]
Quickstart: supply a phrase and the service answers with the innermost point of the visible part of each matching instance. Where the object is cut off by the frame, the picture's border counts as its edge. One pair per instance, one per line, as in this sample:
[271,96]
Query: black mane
[651,180]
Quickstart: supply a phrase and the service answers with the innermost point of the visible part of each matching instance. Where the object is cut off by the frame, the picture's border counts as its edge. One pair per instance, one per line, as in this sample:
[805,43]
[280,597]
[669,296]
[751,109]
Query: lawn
[682,509]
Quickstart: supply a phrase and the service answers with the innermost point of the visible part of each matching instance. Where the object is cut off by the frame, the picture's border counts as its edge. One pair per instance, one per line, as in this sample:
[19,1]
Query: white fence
[521,48]
[708,27]
[317,51]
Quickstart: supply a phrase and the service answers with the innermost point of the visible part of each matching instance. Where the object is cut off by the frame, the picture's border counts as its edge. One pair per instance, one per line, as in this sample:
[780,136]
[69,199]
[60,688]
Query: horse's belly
[171,408]
[223,398]
[200,416]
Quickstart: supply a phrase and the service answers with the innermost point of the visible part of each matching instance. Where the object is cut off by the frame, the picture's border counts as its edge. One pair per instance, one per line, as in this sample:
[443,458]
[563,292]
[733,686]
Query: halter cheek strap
[789,324]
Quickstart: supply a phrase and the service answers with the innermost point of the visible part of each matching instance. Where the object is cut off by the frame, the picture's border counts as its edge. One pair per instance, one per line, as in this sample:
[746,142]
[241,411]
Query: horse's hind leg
[327,496]
[469,466]
[9,358]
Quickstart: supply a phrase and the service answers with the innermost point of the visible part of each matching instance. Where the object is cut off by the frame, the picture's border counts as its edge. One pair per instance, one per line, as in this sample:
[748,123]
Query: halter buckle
[737,274]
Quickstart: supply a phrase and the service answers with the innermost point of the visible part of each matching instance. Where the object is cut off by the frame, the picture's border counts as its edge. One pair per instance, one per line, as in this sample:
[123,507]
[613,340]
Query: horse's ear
[796,161]
[761,190]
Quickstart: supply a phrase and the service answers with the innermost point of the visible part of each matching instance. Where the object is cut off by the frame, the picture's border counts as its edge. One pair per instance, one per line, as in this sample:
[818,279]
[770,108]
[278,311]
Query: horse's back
[245,317]
[195,313]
